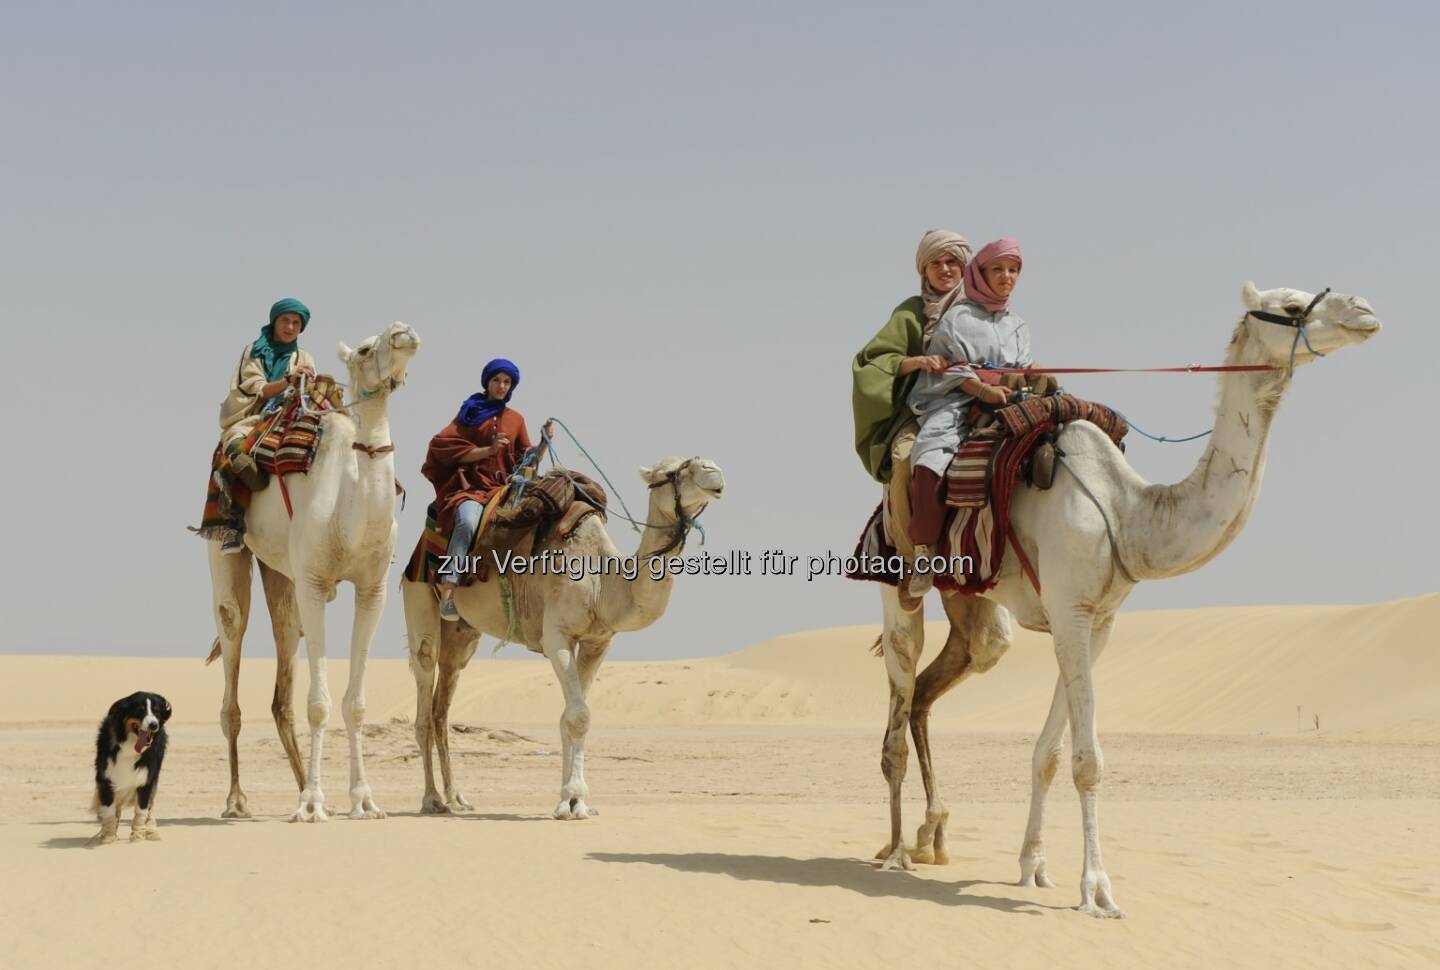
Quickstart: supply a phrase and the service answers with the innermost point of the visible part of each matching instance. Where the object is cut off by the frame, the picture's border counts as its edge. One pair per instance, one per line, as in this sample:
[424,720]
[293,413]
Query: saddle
[1011,445]
[525,514]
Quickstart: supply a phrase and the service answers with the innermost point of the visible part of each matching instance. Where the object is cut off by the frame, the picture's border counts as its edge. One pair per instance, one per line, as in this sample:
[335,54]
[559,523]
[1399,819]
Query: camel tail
[214,652]
[877,648]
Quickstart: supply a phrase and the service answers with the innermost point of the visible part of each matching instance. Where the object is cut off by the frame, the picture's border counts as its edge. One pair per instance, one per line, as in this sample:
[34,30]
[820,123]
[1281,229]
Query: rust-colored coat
[456,481]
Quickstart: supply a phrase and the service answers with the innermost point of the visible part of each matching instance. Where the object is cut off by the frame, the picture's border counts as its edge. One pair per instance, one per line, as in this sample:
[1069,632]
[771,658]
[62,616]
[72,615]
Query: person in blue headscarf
[268,365]
[470,461]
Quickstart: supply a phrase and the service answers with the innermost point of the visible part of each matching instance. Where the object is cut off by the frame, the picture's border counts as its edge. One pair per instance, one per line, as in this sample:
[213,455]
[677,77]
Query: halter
[1299,322]
[683,523]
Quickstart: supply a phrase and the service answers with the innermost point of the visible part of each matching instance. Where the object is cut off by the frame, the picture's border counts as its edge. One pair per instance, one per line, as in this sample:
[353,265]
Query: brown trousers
[927,507]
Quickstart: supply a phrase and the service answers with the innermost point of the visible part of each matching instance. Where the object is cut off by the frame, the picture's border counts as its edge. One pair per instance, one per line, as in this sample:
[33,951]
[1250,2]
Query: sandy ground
[742,800]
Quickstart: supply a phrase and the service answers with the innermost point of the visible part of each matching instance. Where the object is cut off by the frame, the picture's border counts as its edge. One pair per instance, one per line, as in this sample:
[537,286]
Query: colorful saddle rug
[979,485]
[282,444]
[542,504]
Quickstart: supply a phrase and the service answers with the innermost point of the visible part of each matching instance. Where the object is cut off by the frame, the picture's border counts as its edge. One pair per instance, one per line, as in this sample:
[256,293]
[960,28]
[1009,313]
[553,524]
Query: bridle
[382,387]
[1299,321]
[683,523]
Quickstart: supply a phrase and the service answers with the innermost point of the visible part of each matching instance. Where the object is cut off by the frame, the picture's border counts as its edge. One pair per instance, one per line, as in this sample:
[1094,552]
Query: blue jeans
[467,520]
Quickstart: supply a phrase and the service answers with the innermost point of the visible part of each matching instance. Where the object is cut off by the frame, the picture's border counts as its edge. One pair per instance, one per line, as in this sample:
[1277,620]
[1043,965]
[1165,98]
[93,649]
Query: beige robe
[242,405]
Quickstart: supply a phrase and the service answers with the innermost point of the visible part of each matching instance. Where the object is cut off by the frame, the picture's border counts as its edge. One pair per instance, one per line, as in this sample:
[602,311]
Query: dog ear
[115,720]
[164,709]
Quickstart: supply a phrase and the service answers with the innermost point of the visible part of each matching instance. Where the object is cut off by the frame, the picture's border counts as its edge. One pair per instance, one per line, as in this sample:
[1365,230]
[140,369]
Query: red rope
[1192,369]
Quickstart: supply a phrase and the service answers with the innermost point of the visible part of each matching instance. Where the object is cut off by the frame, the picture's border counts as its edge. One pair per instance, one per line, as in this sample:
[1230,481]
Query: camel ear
[344,352]
[647,475]
[1250,295]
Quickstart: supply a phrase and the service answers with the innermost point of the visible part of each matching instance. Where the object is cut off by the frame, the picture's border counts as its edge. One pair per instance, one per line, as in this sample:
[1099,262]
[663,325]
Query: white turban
[933,245]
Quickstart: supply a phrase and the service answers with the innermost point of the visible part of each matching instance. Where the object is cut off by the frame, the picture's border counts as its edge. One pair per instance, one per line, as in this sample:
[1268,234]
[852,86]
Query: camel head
[692,482]
[1336,320]
[378,365]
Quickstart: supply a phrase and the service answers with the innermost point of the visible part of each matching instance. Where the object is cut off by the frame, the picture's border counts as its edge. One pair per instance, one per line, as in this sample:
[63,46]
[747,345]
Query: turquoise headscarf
[273,354]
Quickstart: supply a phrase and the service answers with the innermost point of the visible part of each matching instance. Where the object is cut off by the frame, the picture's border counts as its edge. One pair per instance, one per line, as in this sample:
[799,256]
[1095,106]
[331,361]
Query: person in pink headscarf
[978,329]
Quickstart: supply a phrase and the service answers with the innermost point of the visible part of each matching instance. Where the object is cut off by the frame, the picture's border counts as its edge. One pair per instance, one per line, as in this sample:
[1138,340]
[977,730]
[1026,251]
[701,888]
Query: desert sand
[742,801]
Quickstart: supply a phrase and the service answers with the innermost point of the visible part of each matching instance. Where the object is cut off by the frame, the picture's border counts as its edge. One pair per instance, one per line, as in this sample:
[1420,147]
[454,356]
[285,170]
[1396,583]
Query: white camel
[342,530]
[570,621]
[1066,532]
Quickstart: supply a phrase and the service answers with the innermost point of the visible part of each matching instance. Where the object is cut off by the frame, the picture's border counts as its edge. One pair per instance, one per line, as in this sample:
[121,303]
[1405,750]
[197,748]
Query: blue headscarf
[273,354]
[478,408]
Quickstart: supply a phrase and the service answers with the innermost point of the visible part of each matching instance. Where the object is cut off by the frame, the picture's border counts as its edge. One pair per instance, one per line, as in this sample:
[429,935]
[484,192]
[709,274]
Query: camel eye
[1294,309]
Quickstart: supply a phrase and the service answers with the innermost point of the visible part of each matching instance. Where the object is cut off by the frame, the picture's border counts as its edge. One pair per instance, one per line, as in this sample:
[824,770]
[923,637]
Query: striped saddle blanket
[286,444]
[503,516]
[979,485]
[280,444]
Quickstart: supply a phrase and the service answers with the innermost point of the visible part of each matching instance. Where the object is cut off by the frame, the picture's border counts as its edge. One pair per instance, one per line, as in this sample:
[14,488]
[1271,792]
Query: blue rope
[1163,439]
[689,522]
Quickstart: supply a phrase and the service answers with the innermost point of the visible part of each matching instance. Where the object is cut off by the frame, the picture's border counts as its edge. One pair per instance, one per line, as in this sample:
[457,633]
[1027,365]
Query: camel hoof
[895,859]
[928,855]
[136,835]
[432,805]
[1095,898]
[310,809]
[1033,875]
[103,838]
[362,805]
[151,835]
[237,806]
[458,803]
[574,808]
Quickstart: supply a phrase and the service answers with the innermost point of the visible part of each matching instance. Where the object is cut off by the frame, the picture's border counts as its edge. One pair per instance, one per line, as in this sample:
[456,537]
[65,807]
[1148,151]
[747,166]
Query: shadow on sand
[852,874]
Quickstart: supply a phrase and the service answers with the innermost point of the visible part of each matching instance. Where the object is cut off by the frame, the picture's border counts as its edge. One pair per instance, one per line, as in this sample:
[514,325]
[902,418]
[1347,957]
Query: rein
[1298,321]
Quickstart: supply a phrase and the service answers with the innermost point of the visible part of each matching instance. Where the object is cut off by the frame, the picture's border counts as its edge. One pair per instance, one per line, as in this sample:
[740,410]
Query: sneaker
[448,612]
[233,542]
[921,582]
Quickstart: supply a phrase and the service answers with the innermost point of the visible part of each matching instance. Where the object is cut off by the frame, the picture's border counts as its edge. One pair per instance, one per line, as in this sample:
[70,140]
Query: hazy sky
[682,224]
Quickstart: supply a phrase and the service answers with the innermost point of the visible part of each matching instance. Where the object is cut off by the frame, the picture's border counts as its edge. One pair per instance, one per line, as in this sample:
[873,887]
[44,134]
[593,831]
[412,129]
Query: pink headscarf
[976,289]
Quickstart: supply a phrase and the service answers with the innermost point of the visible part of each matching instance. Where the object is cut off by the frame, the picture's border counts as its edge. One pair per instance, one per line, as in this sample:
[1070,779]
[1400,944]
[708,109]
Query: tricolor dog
[128,752]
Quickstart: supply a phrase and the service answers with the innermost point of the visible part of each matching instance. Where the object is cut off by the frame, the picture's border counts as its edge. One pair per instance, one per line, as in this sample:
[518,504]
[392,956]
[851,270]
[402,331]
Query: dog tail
[214,652]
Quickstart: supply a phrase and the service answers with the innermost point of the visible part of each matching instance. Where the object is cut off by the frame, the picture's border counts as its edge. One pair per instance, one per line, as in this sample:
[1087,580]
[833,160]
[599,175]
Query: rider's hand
[549,429]
[994,394]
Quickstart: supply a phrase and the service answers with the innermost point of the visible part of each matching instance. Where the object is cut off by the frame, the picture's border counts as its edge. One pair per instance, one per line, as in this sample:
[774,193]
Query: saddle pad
[968,476]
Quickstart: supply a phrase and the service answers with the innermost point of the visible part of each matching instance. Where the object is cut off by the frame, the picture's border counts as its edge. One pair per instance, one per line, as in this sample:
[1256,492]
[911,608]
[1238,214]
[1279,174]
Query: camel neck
[372,422]
[643,600]
[1183,526]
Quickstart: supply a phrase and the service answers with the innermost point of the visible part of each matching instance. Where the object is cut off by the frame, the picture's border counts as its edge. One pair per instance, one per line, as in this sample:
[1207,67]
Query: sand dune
[742,800]
[1371,669]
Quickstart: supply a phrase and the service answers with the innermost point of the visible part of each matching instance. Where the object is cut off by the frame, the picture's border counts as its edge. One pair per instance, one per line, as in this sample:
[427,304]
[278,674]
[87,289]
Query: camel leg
[230,586]
[1049,747]
[1087,762]
[576,718]
[311,594]
[285,624]
[901,641]
[588,659]
[980,633]
[457,645]
[422,628]
[369,602]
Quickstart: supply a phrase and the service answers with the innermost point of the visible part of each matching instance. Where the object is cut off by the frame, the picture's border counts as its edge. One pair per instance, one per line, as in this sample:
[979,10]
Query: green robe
[879,396]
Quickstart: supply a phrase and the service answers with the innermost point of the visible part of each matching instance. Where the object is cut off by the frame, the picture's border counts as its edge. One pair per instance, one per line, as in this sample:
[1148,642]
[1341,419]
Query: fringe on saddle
[1006,444]
[282,443]
[525,514]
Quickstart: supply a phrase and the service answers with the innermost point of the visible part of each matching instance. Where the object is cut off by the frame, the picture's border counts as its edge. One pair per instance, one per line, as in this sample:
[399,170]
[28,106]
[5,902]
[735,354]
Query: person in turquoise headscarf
[268,365]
